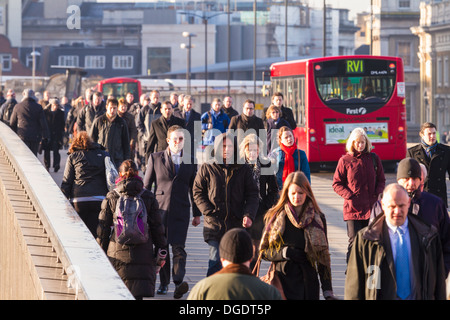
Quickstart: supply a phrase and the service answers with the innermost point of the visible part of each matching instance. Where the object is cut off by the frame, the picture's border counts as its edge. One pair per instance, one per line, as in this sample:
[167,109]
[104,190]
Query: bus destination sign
[355,66]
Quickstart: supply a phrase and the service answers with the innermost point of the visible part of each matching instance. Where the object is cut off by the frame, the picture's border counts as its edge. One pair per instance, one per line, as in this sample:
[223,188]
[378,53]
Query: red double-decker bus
[331,96]
[119,87]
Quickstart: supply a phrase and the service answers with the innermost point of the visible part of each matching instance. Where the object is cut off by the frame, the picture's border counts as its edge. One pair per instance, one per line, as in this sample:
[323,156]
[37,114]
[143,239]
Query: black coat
[87,116]
[84,175]
[225,195]
[135,264]
[113,136]
[28,121]
[56,123]
[190,126]
[246,123]
[173,193]
[437,167]
[158,133]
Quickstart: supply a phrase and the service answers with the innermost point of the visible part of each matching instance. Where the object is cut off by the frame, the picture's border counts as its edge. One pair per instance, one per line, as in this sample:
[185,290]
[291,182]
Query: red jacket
[356,180]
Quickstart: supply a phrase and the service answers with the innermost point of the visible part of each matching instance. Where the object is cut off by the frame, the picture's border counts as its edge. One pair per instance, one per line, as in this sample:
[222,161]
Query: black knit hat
[236,246]
[409,168]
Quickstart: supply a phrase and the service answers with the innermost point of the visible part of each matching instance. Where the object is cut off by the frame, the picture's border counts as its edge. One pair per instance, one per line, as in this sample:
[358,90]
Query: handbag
[111,173]
[271,277]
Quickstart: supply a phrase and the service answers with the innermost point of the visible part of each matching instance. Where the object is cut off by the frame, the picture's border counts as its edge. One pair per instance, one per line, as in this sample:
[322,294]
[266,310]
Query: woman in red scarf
[288,157]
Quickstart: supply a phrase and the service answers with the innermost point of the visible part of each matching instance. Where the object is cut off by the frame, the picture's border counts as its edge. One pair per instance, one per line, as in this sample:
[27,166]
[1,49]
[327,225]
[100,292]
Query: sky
[355,6]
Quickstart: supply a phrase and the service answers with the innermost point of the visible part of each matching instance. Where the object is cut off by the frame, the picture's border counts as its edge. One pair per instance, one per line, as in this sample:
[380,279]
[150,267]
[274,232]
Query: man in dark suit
[173,174]
[158,129]
[246,121]
[436,158]
[190,116]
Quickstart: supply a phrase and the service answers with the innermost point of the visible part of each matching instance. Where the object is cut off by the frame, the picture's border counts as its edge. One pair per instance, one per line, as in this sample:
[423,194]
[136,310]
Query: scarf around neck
[289,165]
[316,243]
[429,150]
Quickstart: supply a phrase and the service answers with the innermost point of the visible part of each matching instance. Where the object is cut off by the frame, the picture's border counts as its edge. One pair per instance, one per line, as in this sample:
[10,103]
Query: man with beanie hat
[235,280]
[427,206]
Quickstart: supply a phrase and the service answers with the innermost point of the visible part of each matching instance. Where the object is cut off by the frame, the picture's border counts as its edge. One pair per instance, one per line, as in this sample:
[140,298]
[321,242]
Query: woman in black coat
[135,263]
[84,180]
[250,150]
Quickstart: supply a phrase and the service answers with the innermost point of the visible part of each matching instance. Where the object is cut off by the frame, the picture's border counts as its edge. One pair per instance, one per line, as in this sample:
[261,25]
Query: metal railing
[46,251]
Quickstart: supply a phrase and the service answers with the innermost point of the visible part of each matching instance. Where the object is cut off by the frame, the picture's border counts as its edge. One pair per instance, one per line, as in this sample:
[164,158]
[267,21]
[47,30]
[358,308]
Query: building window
[123,62]
[439,72]
[158,60]
[68,61]
[94,62]
[404,52]
[404,4]
[1,15]
[446,71]
[6,62]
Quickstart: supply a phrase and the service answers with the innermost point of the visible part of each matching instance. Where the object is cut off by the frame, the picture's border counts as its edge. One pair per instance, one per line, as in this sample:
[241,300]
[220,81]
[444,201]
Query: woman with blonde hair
[250,150]
[295,240]
[359,179]
[84,180]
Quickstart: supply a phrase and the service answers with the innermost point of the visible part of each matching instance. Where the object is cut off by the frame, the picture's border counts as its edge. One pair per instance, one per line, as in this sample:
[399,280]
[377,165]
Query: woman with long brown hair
[84,180]
[295,239]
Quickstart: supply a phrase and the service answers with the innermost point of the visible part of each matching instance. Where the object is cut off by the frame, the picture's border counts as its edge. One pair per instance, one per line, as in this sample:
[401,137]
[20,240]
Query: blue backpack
[130,220]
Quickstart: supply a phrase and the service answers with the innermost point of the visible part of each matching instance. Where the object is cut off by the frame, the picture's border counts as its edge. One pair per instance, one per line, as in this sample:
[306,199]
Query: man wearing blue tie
[170,175]
[396,257]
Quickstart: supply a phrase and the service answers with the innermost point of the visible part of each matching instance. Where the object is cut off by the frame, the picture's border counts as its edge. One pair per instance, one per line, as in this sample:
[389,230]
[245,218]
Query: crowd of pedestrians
[254,194]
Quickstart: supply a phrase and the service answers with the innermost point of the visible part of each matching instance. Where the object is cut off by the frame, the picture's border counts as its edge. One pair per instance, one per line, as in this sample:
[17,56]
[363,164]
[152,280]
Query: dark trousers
[88,212]
[33,145]
[353,226]
[179,265]
[56,156]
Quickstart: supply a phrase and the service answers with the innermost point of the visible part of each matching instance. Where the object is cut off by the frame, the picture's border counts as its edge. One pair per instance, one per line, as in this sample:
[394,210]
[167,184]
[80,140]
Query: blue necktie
[402,273]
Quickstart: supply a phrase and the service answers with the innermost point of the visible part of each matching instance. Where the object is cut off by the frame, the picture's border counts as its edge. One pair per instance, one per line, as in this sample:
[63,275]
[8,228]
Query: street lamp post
[205,20]
[188,47]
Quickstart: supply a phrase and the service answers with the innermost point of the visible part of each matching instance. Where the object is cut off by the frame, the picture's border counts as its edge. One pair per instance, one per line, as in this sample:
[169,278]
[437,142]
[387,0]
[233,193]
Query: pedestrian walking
[235,281]
[247,122]
[214,122]
[173,178]
[93,110]
[84,179]
[427,206]
[226,194]
[135,263]
[397,257]
[111,131]
[250,150]
[288,157]
[28,121]
[55,120]
[359,179]
[436,158]
[295,240]
[273,123]
[7,107]
[157,140]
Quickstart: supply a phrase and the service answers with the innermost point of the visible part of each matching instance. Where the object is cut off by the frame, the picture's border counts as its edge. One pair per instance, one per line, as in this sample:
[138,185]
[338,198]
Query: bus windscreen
[352,82]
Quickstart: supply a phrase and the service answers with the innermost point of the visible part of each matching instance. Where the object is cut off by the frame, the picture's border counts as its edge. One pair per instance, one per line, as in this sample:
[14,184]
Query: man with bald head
[396,257]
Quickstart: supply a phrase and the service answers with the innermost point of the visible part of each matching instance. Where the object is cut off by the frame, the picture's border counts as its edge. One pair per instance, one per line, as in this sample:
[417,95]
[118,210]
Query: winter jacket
[135,264]
[219,122]
[113,135]
[55,122]
[84,174]
[28,121]
[437,167]
[271,126]
[300,164]
[87,116]
[224,194]
[241,124]
[356,180]
[6,110]
[371,262]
